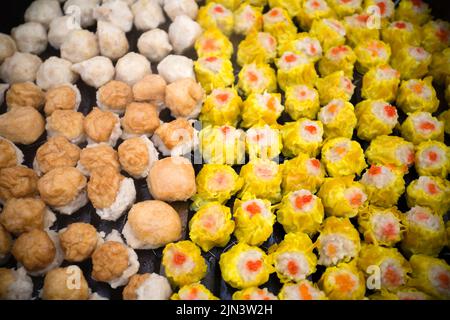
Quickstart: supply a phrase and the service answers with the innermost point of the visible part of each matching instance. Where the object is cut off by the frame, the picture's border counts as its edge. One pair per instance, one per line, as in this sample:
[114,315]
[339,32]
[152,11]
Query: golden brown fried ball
[140,119]
[103,186]
[129,292]
[25,94]
[60,186]
[34,249]
[6,280]
[151,88]
[5,242]
[17,182]
[184,98]
[23,215]
[67,123]
[55,153]
[65,284]
[97,156]
[109,261]
[174,133]
[78,241]
[9,156]
[22,125]
[134,156]
[99,125]
[64,97]
[114,96]
[172,179]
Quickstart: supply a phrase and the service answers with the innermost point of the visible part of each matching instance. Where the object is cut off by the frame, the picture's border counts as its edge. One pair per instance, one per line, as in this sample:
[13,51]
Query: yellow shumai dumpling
[257,47]
[403,293]
[263,142]
[305,44]
[428,191]
[221,107]
[330,32]
[440,66]
[213,42]
[343,282]
[380,83]
[215,15]
[278,23]
[375,118]
[430,275]
[393,267]
[302,290]
[342,197]
[292,7]
[338,241]
[302,172]
[432,159]
[417,95]
[386,9]
[414,11]
[215,182]
[424,232]
[361,27]
[312,10]
[436,35]
[335,86]
[294,69]
[300,211]
[211,226]
[229,4]
[222,145]
[412,62]
[293,258]
[258,3]
[254,221]
[445,116]
[384,184]
[302,136]
[214,72]
[345,8]
[254,293]
[302,102]
[371,53]
[262,179]
[401,33]
[422,126]
[260,109]
[343,157]
[183,263]
[338,58]
[338,119]
[193,291]
[247,19]
[257,78]
[245,266]
[381,226]
[391,151]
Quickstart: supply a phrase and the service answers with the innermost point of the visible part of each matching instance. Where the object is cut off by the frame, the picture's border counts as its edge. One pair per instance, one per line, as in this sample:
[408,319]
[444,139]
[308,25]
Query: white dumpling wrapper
[80,45]
[20,67]
[117,13]
[132,67]
[175,67]
[147,14]
[154,44]
[183,32]
[30,37]
[7,46]
[60,28]
[96,71]
[43,11]
[54,72]
[175,8]
[82,11]
[112,40]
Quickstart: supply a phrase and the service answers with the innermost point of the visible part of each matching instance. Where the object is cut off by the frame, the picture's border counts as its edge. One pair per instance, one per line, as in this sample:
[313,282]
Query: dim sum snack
[114,96]
[212,42]
[445,118]
[15,284]
[140,119]
[30,37]
[184,98]
[55,72]
[10,155]
[256,78]
[342,196]
[310,11]
[254,293]
[79,45]
[294,69]
[175,138]
[302,136]
[302,290]
[260,109]
[417,12]
[174,8]
[386,9]
[183,32]
[337,58]
[78,241]
[371,53]
[112,41]
[391,150]
[343,282]
[96,71]
[115,12]
[304,43]
[183,263]
[381,226]
[43,11]
[154,45]
[215,183]
[380,83]
[345,7]
[431,192]
[245,266]
[412,62]
[137,156]
[96,156]
[440,66]
[63,97]
[193,291]
[17,182]
[278,23]
[102,126]
[254,220]
[147,14]
[424,232]
[214,72]
[401,33]
[151,88]
[335,86]
[417,95]
[436,35]
[262,179]
[7,46]
[257,47]
[300,211]
[147,286]
[263,142]
[20,67]
[151,224]
[375,118]
[343,157]
[86,11]
[211,226]
[132,67]
[222,145]
[302,101]
[302,172]
[329,31]
[247,19]
[394,268]
[421,126]
[221,107]
[360,27]
[293,258]
[56,284]
[432,159]
[215,15]
[25,94]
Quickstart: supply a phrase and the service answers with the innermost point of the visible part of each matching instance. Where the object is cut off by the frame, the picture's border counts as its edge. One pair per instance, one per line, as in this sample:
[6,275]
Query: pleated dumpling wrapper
[303,43]
[302,136]
[257,47]
[429,191]
[261,108]
[221,107]
[338,119]
[421,126]
[371,53]
[415,11]
[302,290]
[214,72]
[412,62]
[343,157]
[193,291]
[215,15]
[330,32]
[436,35]
[302,102]
[257,78]
[375,118]
[360,27]
[400,33]
[417,95]
[338,58]
[295,69]
[263,142]
[302,172]
[310,11]
[213,42]
[335,86]
[222,145]
[440,66]
[432,159]
[380,82]
[278,23]
[254,293]
[247,18]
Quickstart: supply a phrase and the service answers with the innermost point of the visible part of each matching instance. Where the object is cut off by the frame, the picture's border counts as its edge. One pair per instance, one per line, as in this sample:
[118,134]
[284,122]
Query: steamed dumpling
[7,47]
[132,67]
[112,40]
[175,67]
[20,67]
[117,13]
[80,45]
[147,14]
[60,28]
[82,10]
[96,71]
[43,11]
[154,44]
[54,72]
[183,32]
[30,37]
[175,8]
